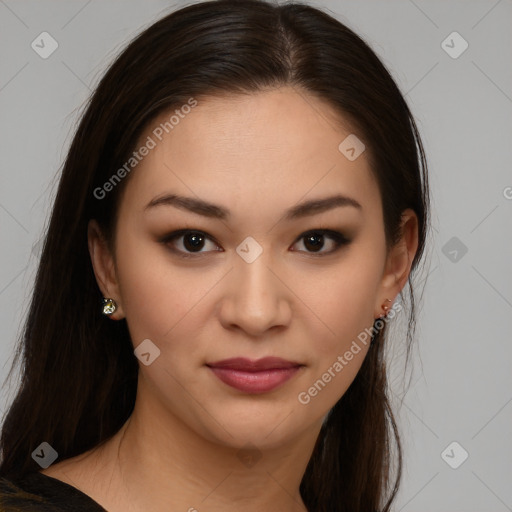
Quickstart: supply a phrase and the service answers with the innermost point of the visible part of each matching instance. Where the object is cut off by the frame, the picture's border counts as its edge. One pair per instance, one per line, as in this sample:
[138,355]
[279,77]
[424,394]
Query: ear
[104,267]
[398,262]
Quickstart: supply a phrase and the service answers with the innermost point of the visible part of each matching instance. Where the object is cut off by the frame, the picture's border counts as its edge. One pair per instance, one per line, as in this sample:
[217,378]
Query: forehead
[270,147]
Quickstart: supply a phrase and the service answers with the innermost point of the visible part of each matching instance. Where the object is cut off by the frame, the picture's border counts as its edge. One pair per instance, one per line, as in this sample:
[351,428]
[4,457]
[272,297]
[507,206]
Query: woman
[243,203]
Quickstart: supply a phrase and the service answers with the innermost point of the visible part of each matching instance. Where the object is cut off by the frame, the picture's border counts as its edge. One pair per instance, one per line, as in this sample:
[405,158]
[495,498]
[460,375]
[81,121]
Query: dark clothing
[37,492]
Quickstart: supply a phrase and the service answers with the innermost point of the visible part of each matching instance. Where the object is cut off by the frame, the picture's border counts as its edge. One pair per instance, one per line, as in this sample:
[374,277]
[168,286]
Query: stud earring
[385,308]
[109,306]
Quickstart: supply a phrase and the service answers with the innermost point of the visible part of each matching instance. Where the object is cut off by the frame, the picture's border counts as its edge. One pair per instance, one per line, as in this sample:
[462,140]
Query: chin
[266,428]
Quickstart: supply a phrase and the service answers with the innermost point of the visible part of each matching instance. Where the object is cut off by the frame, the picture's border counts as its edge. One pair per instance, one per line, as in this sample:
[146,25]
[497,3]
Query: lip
[254,376]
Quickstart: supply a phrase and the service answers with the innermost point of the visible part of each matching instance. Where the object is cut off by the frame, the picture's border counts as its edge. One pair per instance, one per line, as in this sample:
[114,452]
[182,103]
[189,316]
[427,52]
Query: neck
[158,463]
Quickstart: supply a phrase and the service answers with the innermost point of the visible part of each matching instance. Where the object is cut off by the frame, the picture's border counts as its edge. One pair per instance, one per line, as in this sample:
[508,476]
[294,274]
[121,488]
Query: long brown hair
[78,372]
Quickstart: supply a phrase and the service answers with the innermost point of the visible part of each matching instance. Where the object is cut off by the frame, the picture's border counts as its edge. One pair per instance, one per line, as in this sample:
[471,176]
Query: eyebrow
[211,210]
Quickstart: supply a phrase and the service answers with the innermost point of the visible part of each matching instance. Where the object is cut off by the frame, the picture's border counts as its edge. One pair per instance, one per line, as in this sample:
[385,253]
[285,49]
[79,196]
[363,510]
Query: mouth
[254,376]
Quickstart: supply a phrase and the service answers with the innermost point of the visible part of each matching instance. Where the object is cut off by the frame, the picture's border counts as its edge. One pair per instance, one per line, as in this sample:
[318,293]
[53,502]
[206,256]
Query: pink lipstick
[253,377]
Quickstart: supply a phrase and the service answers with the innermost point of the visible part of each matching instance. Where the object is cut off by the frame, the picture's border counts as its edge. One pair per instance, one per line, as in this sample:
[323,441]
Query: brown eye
[193,241]
[187,242]
[315,241]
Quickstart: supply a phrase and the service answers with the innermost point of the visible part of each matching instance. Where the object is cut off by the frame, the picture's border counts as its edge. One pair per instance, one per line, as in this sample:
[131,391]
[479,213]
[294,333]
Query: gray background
[461,382]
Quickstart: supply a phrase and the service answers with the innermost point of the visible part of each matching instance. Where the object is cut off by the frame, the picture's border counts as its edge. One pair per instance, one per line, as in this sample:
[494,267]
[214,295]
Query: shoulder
[14,498]
[37,492]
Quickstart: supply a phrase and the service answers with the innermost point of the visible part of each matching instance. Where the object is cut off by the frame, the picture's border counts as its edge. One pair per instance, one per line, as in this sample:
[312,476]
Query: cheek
[158,297]
[344,301]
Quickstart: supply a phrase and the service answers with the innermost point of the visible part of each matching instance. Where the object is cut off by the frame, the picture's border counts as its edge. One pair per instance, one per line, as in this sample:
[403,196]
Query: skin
[257,156]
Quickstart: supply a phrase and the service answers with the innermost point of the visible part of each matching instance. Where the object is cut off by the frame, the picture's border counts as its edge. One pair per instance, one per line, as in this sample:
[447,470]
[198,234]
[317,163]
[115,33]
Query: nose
[256,298]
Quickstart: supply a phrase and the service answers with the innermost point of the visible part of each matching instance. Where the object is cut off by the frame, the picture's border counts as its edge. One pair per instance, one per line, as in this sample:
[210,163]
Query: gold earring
[385,308]
[109,306]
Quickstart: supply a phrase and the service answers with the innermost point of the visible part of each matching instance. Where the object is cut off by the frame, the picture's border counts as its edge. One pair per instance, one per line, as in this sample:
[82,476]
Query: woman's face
[255,179]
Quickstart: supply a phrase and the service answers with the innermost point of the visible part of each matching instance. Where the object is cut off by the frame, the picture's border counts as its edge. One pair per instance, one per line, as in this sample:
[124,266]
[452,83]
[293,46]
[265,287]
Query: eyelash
[339,239]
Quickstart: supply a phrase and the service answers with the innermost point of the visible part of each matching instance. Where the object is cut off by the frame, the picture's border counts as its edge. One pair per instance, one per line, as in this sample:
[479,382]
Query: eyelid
[333,233]
[339,238]
[179,233]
